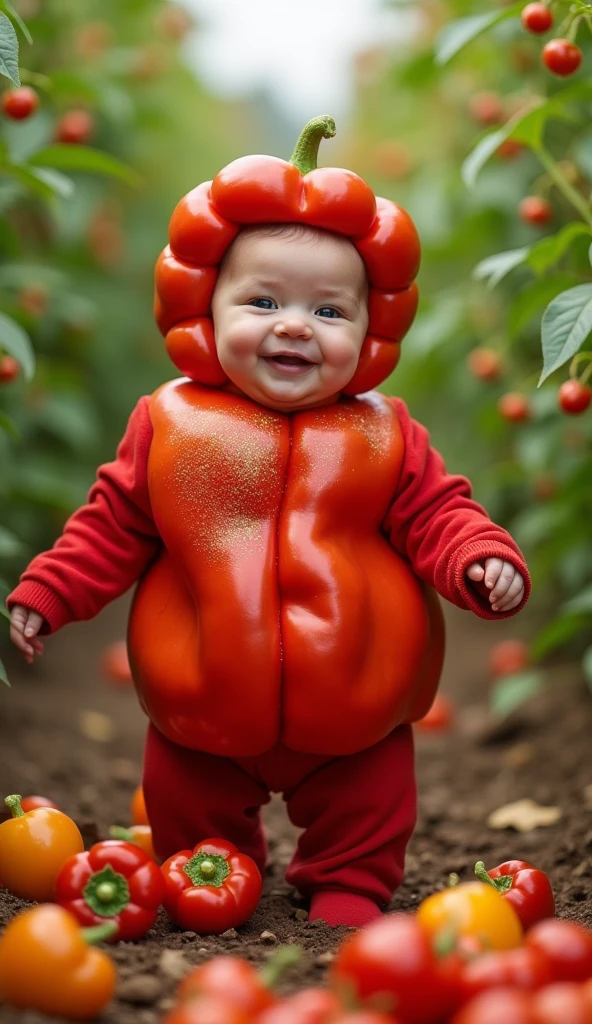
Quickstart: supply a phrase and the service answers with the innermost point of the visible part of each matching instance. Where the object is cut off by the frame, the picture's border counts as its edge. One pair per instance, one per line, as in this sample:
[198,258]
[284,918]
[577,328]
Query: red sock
[347,908]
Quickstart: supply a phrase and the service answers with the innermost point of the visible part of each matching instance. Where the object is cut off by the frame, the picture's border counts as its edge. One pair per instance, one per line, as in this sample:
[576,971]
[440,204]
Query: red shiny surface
[197,233]
[143,877]
[258,189]
[531,894]
[391,249]
[192,348]
[211,909]
[278,610]
[392,313]
[183,291]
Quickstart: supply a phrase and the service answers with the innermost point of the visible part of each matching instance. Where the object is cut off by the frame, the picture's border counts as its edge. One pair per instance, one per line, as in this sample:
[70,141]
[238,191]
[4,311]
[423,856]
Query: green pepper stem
[481,873]
[14,805]
[306,150]
[501,884]
[285,957]
[99,933]
[118,832]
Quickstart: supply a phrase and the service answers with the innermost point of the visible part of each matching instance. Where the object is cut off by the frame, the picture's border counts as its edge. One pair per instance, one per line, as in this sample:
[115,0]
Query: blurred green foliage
[422,138]
[81,227]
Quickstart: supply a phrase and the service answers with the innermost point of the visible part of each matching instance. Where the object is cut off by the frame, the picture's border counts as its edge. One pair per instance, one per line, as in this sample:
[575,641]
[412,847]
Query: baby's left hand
[507,585]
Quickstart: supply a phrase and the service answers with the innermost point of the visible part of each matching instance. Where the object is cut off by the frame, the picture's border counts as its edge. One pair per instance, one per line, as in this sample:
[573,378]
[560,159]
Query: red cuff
[46,602]
[475,596]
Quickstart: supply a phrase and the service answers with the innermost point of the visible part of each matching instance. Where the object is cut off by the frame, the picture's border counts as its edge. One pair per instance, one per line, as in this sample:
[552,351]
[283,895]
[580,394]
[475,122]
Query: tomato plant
[503,312]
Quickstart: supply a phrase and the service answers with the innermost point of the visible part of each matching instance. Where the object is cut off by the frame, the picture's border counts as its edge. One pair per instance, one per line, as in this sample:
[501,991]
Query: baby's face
[290,316]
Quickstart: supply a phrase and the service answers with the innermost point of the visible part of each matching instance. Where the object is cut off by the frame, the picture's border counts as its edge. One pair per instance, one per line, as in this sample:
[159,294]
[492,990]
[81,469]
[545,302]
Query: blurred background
[164,94]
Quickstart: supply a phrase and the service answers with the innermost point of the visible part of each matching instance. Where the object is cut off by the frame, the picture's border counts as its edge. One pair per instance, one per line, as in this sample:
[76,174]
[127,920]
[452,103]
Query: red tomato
[563,1003]
[207,1010]
[393,956]
[312,1006]
[574,397]
[537,17]
[498,1006]
[485,363]
[29,802]
[562,57]
[75,127]
[507,657]
[9,369]
[535,210]
[514,407]
[509,149]
[115,663]
[439,717]
[567,945]
[20,103]
[231,978]
[486,108]
[522,968]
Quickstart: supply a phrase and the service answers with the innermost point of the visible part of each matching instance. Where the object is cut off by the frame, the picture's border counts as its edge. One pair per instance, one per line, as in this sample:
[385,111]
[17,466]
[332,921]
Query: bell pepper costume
[285,629]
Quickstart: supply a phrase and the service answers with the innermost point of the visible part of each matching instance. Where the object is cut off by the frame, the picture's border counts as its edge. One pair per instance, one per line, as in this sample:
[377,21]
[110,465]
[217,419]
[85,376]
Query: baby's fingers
[33,624]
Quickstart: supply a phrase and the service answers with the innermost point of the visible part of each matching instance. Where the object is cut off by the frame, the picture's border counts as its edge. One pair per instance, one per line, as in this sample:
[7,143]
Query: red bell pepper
[266,190]
[116,881]
[525,887]
[211,888]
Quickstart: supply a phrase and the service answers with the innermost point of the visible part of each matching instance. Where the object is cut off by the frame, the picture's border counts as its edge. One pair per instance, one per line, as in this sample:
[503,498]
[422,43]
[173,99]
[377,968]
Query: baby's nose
[294,327]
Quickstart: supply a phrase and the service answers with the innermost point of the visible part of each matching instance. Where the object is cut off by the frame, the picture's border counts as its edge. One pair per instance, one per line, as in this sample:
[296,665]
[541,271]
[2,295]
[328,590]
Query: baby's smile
[290,316]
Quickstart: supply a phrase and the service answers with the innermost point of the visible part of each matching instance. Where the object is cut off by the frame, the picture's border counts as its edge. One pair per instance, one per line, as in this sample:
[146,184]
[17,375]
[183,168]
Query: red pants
[357,811]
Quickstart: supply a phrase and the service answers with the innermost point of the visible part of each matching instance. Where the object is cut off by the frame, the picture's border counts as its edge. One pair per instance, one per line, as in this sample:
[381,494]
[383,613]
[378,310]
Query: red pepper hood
[267,190]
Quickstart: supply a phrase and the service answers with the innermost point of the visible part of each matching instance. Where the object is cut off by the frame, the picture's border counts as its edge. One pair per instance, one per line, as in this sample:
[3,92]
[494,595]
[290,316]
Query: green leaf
[526,126]
[567,322]
[587,666]
[9,50]
[3,676]
[581,603]
[10,545]
[9,426]
[17,343]
[455,36]
[44,183]
[548,251]
[555,635]
[84,158]
[4,592]
[512,691]
[16,17]
[533,298]
[484,149]
[496,267]
[59,184]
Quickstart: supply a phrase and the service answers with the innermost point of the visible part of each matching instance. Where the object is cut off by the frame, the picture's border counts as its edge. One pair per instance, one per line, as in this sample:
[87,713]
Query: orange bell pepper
[46,964]
[33,846]
[472,908]
[138,808]
[141,835]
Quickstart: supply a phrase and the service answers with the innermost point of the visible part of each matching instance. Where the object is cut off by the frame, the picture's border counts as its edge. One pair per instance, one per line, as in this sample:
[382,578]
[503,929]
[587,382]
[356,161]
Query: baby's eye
[328,311]
[263,303]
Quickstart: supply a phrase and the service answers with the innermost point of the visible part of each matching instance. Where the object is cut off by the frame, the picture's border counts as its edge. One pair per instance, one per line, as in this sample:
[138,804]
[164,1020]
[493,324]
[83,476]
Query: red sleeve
[434,523]
[105,545]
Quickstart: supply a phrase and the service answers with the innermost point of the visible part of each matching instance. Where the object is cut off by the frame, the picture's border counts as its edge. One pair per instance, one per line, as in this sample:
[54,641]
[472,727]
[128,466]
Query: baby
[287,535]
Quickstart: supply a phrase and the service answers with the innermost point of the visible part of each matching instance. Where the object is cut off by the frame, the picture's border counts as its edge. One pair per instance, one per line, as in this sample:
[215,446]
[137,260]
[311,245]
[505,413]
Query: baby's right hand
[24,626]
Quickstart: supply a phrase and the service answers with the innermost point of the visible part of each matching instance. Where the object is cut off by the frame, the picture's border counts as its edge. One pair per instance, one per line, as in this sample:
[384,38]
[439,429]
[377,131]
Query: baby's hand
[506,583]
[24,626]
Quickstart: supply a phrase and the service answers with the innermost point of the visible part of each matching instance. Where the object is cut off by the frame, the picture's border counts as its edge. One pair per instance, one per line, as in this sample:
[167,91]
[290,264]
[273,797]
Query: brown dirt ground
[542,753]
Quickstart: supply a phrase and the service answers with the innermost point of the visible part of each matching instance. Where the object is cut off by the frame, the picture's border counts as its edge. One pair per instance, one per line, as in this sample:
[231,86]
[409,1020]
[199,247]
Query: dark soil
[542,753]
